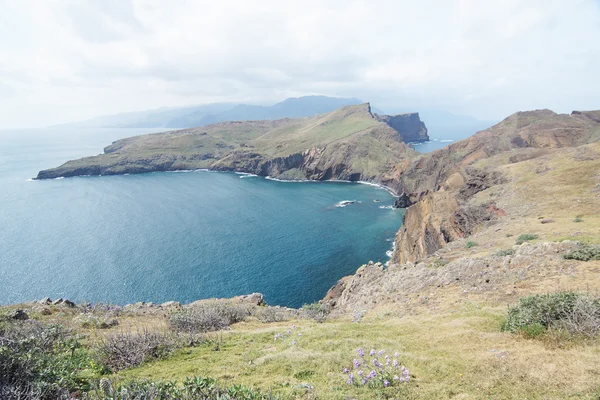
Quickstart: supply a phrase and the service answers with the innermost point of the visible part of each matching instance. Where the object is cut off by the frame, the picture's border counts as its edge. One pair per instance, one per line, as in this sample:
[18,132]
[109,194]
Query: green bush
[195,388]
[40,361]
[585,252]
[209,316]
[505,252]
[526,237]
[573,312]
[470,244]
[315,311]
[272,314]
[577,220]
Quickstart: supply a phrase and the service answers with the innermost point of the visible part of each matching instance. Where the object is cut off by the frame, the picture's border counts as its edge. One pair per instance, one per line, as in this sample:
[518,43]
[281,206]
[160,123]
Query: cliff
[409,125]
[350,144]
[438,187]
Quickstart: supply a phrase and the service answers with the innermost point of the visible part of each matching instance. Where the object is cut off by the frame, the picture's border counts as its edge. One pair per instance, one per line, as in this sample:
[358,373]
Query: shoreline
[246,174]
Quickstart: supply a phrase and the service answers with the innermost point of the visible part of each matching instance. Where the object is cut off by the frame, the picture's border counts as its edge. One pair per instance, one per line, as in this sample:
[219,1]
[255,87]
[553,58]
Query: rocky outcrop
[438,187]
[409,125]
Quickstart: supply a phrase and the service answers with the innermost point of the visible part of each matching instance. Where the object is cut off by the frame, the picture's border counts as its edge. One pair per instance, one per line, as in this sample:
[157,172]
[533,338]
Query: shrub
[195,388]
[585,252]
[272,314]
[574,312]
[315,311]
[505,252]
[40,361]
[98,322]
[470,244]
[210,316]
[577,220]
[526,237]
[123,350]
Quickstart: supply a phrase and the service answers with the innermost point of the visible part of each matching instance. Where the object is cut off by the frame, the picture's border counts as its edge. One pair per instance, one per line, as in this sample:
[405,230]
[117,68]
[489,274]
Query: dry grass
[453,355]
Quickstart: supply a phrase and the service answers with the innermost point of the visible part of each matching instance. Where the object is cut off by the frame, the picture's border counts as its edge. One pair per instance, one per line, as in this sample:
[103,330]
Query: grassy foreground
[462,354]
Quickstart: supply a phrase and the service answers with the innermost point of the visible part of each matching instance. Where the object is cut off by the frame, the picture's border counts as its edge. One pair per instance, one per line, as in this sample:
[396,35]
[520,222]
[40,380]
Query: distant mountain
[193,116]
[295,107]
[157,118]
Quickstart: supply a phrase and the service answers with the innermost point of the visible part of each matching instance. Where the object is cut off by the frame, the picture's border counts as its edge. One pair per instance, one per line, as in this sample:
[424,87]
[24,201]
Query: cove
[184,236]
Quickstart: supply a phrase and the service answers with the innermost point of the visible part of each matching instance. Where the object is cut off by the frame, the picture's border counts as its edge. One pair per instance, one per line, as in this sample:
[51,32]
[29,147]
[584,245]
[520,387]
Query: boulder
[256,299]
[68,303]
[18,315]
[57,302]
[171,304]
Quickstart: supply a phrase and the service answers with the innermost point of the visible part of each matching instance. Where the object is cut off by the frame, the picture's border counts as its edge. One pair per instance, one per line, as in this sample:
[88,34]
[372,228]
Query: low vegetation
[207,317]
[571,312]
[505,252]
[470,244]
[526,237]
[315,311]
[585,252]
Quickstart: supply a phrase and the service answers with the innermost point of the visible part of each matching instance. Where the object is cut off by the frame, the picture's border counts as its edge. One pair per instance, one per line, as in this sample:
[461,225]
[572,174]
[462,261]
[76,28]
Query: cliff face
[349,144]
[409,125]
[438,187]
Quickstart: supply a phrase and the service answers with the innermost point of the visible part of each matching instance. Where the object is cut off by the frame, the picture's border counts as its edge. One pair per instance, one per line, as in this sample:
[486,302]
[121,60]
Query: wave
[446,141]
[386,207]
[345,203]
[390,253]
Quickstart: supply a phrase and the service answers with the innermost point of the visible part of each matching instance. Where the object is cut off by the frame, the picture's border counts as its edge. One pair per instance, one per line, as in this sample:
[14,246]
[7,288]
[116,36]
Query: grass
[470,244]
[526,237]
[461,355]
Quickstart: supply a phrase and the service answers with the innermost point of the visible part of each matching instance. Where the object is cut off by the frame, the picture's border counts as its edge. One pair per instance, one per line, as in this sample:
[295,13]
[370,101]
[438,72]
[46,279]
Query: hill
[350,143]
[207,114]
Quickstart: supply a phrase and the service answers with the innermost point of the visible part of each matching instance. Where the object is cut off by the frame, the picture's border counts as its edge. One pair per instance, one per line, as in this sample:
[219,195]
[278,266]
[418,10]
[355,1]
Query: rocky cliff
[350,143]
[438,187]
[409,125]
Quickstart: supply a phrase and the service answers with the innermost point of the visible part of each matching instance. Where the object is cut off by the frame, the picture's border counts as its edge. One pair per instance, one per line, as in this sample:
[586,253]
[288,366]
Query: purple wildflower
[396,354]
[373,374]
[360,373]
[386,383]
[345,370]
[364,381]
[395,363]
[300,335]
[396,377]
[350,379]
[361,353]
[380,352]
[372,352]
[356,363]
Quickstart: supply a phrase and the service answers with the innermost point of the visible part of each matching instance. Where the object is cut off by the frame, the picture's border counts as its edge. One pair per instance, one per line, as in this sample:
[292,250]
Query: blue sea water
[174,236]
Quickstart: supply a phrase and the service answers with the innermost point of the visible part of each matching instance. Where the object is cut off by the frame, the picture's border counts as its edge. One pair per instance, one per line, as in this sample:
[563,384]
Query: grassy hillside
[257,147]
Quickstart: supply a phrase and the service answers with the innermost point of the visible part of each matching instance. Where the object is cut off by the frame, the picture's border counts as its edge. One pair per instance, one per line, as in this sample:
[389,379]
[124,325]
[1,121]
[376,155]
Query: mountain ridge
[350,143]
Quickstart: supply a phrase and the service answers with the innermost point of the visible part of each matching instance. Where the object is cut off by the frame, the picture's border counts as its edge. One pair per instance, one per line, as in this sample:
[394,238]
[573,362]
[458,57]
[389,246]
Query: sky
[63,61]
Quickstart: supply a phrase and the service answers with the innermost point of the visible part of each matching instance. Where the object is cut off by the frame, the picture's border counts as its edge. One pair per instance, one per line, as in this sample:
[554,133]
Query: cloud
[68,60]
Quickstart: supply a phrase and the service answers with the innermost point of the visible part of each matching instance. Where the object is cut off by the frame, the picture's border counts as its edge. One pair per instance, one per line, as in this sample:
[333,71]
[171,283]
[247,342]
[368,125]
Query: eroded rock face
[438,187]
[408,284]
[408,125]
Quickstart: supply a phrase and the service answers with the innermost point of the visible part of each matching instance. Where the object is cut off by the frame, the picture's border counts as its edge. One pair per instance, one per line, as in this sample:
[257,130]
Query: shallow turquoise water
[175,236]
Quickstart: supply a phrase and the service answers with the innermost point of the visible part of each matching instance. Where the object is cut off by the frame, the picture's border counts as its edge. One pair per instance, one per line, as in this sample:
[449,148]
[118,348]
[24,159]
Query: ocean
[177,236]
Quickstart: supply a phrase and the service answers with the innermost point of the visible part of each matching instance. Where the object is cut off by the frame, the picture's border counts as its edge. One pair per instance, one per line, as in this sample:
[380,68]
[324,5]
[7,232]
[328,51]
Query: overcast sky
[70,60]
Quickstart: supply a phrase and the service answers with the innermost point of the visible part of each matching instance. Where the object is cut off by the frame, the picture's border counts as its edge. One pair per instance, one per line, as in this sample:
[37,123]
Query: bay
[175,236]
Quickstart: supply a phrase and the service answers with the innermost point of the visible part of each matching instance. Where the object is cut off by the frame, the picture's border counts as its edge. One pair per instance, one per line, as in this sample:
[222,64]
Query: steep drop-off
[438,187]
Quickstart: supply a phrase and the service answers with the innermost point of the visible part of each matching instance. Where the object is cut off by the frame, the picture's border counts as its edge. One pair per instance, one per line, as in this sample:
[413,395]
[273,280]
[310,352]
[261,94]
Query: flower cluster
[290,333]
[376,369]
